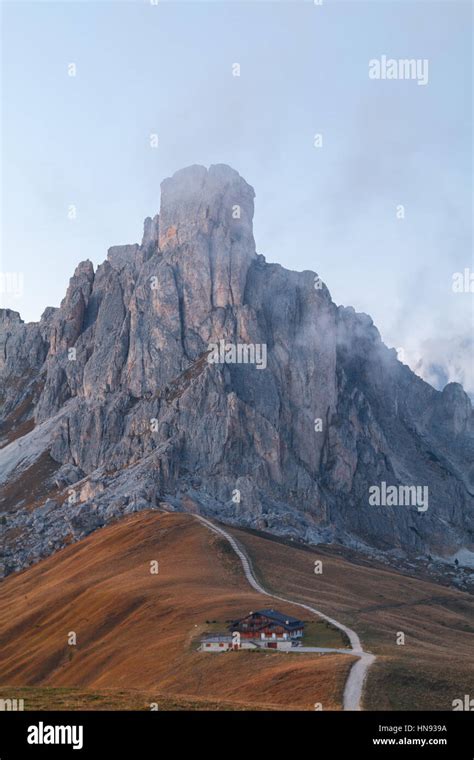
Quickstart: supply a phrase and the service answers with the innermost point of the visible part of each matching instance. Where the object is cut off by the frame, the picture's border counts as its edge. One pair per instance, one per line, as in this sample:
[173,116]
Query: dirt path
[358,673]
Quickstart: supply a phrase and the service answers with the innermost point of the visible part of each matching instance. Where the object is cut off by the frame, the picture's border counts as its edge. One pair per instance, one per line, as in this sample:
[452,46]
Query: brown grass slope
[136,631]
[436,663]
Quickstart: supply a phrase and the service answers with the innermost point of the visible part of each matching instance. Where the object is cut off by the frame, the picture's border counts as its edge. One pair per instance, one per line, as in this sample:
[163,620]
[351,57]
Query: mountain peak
[9,316]
[195,200]
[119,384]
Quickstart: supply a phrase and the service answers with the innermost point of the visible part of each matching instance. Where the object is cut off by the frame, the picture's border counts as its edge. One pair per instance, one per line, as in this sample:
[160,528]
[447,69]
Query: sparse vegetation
[435,664]
[319,633]
[114,699]
[101,588]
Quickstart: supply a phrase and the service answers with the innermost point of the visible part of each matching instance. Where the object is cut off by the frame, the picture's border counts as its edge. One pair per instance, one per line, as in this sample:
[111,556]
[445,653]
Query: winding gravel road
[355,681]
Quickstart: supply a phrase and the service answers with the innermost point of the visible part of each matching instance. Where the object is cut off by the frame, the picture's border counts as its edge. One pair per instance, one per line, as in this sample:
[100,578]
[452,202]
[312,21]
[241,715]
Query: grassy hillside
[433,667]
[136,630]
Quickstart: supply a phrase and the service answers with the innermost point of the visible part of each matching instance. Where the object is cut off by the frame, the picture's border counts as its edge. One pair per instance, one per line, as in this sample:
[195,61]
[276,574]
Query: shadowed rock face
[141,417]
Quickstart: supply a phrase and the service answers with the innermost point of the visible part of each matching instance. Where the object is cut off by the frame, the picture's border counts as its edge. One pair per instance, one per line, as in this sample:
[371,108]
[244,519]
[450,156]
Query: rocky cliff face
[113,403]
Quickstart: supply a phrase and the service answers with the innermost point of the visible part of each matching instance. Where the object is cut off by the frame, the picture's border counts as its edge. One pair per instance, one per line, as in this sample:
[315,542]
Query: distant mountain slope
[139,631]
[123,397]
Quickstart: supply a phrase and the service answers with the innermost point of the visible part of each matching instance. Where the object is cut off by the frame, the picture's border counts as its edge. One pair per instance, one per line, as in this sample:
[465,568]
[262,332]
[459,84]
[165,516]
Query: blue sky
[167,69]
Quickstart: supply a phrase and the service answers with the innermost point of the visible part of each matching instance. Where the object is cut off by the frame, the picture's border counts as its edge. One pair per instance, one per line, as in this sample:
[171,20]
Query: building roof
[217,638]
[278,616]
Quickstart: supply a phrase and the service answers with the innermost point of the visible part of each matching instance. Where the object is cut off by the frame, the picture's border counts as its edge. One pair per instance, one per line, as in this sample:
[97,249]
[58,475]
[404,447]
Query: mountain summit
[187,373]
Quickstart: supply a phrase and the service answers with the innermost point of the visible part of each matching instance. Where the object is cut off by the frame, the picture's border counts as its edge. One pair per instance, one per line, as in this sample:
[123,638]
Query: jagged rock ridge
[114,391]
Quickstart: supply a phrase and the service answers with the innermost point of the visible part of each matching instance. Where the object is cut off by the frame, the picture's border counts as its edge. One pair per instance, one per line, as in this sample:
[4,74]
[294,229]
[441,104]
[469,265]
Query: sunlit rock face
[120,386]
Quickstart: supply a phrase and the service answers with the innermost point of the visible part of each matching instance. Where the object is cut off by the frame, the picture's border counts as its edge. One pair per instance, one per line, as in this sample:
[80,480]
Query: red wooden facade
[268,624]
